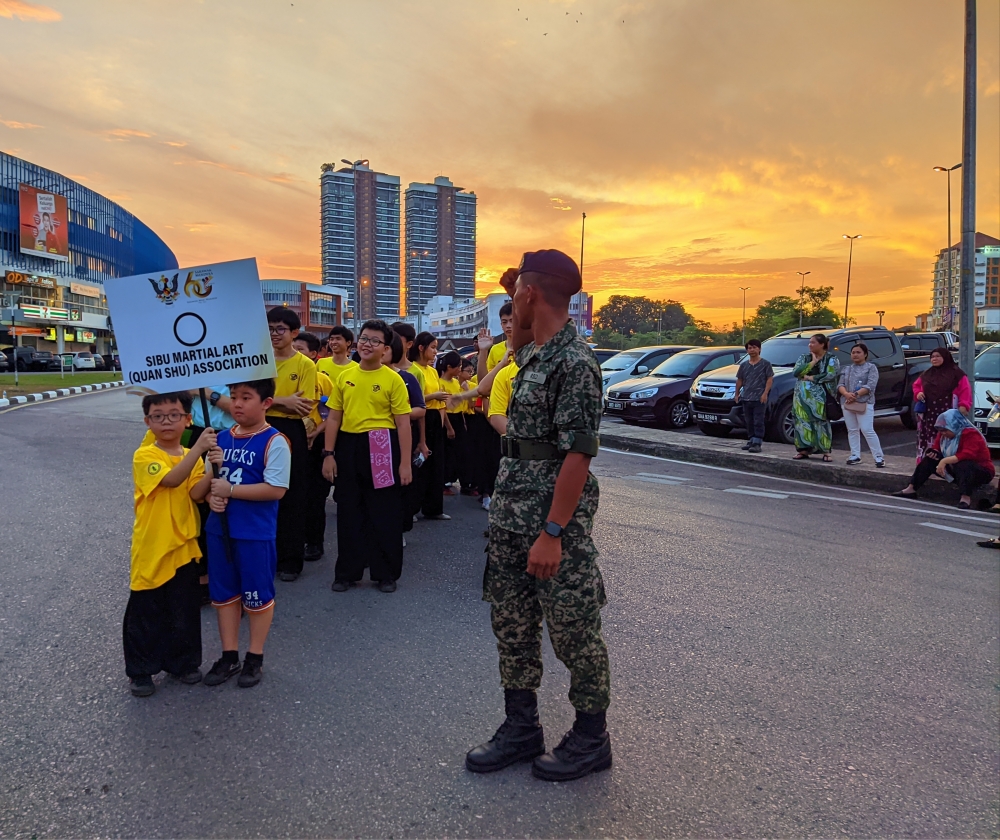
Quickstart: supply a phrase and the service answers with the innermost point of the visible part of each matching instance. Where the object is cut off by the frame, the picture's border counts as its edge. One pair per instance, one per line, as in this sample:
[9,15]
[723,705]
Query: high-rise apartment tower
[359,223]
[440,243]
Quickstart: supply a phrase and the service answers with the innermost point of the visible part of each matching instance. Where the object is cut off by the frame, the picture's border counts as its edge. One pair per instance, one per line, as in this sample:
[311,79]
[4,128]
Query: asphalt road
[787,660]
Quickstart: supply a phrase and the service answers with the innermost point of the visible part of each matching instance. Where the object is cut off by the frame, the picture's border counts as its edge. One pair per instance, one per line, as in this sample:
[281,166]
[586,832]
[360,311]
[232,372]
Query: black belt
[529,450]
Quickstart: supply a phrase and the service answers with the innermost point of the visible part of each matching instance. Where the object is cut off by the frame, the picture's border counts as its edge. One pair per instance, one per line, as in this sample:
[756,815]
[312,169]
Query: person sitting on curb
[959,453]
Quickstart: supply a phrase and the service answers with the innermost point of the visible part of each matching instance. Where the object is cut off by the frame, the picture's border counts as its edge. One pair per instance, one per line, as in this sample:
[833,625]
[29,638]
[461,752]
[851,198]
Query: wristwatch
[328,453]
[553,529]
[214,397]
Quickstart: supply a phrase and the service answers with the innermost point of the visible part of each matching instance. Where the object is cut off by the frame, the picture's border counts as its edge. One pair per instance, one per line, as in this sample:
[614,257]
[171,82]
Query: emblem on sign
[198,288]
[166,290]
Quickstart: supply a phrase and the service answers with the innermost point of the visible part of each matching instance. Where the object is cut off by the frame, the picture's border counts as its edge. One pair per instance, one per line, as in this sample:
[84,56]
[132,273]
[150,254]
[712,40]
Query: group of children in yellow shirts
[389,430]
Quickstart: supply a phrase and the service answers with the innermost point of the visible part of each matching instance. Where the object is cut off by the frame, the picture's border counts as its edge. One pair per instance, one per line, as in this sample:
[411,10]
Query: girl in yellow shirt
[431,475]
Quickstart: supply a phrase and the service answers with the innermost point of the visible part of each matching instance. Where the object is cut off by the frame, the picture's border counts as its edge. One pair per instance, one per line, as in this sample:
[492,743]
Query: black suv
[714,407]
[921,344]
[28,358]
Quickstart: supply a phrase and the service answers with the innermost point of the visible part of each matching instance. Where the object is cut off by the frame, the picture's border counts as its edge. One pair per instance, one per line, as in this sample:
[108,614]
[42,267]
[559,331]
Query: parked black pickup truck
[713,404]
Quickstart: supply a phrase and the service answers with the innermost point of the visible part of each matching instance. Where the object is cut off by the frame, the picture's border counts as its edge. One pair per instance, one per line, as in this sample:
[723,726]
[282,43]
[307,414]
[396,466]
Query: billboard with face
[44,223]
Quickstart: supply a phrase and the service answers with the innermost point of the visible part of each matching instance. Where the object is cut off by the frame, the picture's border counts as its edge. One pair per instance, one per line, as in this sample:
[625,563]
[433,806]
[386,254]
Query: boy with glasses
[367,432]
[294,398]
[161,630]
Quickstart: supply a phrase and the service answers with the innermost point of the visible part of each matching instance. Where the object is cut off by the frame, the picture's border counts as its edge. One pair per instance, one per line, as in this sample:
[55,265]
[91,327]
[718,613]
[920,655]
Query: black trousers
[968,474]
[314,529]
[292,507]
[161,630]
[487,455]
[432,472]
[369,521]
[412,492]
[455,449]
[753,417]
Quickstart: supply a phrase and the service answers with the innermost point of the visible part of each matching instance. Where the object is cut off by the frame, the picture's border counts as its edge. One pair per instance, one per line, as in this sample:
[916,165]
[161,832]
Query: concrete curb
[61,392]
[714,452]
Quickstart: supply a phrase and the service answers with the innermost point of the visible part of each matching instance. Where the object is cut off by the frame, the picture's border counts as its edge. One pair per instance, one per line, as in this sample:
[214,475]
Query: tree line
[628,321]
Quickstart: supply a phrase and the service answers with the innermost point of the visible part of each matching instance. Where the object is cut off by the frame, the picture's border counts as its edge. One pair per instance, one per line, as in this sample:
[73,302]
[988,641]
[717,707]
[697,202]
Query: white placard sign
[191,328]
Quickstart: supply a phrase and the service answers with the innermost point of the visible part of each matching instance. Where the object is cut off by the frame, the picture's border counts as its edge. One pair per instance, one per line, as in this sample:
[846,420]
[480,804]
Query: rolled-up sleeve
[577,406]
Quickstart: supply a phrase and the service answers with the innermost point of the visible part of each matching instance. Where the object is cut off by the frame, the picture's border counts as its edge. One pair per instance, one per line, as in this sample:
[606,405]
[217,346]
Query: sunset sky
[712,143]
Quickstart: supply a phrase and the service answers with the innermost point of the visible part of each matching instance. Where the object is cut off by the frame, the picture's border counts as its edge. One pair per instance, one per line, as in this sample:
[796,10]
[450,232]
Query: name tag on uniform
[534,376]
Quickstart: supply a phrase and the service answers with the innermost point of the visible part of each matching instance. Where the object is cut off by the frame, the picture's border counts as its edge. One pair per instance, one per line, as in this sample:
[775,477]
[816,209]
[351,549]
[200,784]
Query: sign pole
[223,519]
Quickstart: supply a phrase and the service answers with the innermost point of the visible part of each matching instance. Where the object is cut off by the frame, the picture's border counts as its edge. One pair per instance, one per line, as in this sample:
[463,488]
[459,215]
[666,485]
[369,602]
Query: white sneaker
[486,502]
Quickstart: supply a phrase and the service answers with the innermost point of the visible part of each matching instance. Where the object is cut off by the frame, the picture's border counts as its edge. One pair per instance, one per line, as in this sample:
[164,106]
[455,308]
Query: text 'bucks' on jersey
[263,457]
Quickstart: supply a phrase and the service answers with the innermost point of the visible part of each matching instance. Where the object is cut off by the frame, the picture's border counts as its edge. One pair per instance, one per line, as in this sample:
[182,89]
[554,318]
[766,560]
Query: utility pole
[850,257]
[950,316]
[967,299]
[744,289]
[578,319]
[802,293]
[880,313]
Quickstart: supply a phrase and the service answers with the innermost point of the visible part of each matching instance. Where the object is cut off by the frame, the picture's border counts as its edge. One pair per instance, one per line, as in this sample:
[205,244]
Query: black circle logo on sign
[190,329]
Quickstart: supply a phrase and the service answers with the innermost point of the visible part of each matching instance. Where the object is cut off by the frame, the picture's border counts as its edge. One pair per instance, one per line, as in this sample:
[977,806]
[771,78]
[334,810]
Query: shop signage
[20,278]
[85,336]
[74,314]
[191,328]
[26,331]
[44,313]
[85,290]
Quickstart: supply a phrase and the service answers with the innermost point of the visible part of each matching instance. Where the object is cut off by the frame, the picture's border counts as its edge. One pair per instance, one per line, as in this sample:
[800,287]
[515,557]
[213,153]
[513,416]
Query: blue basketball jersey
[245,460]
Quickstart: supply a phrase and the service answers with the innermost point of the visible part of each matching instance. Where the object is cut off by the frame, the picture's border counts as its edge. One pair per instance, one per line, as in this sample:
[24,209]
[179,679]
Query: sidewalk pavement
[776,459]
[59,392]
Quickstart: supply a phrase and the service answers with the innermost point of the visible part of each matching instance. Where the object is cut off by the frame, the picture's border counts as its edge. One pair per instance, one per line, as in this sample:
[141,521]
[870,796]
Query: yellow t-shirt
[452,386]
[469,406]
[415,371]
[369,399]
[332,369]
[295,374]
[324,386]
[165,533]
[500,393]
[432,384]
[497,352]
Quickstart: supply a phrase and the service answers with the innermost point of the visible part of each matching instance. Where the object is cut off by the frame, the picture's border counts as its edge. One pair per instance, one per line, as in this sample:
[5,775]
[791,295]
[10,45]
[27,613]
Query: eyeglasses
[277,330]
[173,417]
[372,342]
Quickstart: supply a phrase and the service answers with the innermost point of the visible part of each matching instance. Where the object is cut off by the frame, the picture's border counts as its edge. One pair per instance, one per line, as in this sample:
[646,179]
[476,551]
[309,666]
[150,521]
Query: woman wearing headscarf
[817,373]
[941,387]
[958,453]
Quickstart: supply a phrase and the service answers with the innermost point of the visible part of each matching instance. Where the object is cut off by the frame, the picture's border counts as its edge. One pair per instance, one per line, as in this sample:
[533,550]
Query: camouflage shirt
[555,395]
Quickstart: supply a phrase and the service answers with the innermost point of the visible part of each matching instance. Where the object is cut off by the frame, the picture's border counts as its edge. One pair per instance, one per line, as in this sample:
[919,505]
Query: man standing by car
[753,386]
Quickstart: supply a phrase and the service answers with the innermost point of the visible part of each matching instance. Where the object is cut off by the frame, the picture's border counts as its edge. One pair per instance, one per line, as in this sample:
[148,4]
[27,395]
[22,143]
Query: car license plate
[614,405]
[707,418]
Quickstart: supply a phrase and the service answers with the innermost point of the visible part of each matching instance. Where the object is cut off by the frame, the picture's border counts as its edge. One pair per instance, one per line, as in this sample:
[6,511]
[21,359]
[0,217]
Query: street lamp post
[744,289]
[850,257]
[802,293]
[880,313]
[950,311]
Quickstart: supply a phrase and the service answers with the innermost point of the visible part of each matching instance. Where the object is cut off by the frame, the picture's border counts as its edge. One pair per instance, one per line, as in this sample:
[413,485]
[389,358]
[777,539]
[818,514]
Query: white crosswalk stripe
[761,493]
[958,530]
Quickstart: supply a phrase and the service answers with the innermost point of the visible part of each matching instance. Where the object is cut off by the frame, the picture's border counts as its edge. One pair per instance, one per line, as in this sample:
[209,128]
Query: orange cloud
[33,12]
[18,125]
[125,134]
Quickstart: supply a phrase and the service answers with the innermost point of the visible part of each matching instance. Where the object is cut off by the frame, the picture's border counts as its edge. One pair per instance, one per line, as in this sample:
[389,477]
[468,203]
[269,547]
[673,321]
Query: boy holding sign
[161,630]
[255,461]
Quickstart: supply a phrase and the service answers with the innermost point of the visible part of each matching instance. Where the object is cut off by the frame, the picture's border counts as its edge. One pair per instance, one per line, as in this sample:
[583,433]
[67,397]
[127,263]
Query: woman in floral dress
[817,373]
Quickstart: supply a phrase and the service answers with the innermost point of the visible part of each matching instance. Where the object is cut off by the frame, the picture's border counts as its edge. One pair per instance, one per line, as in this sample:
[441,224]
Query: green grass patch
[36,383]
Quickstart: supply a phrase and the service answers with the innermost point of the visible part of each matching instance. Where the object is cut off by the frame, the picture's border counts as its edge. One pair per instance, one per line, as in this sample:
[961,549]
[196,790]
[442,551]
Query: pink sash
[380,453]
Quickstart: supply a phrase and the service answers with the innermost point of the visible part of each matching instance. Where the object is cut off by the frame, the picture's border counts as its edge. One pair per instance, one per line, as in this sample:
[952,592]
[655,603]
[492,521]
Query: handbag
[857,406]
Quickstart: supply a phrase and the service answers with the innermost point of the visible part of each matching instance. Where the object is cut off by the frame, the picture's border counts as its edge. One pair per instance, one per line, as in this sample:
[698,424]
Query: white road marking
[896,508]
[652,480]
[763,493]
[661,475]
[917,505]
[958,530]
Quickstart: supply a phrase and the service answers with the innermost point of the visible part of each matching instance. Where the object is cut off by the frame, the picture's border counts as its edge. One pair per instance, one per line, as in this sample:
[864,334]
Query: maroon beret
[554,263]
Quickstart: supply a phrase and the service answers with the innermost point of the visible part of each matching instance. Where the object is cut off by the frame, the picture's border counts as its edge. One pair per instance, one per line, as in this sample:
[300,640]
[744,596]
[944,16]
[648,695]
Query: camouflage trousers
[571,605]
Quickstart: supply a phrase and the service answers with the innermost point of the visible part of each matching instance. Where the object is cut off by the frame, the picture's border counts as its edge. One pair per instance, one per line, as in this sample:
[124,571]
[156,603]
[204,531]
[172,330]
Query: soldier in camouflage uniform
[542,562]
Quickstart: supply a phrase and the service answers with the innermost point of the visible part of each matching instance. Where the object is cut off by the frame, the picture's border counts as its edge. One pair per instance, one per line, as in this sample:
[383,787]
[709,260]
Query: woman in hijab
[941,387]
[958,453]
[817,373]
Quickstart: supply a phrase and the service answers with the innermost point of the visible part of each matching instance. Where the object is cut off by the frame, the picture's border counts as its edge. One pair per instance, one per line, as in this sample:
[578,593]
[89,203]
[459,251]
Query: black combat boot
[586,748]
[519,737]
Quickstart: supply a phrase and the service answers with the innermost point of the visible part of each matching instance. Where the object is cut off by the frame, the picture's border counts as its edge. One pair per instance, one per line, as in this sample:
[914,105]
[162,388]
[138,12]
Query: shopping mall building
[59,242]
